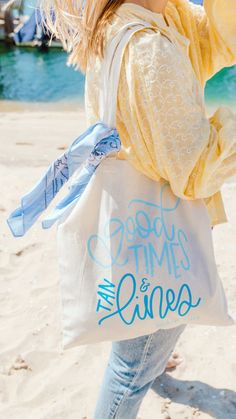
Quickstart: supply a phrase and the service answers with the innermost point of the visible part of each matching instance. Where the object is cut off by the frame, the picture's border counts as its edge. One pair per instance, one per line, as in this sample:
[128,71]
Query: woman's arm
[215,40]
[194,153]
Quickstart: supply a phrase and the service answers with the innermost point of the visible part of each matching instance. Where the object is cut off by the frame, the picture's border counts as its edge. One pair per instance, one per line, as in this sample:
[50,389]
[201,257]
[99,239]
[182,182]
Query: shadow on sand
[220,403]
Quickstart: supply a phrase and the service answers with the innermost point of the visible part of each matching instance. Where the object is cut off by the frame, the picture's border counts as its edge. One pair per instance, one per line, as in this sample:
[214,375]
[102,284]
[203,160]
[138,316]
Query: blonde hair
[80,25]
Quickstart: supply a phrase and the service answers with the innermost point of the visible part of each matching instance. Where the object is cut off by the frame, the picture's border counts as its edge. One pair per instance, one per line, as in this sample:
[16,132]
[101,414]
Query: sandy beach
[37,379]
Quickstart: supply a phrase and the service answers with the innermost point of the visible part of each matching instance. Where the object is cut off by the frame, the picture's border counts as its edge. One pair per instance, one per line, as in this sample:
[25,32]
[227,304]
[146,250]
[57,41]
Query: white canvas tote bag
[133,257]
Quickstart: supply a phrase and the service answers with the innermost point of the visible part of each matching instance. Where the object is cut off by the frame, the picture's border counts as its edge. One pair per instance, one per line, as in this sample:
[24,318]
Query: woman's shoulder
[148,40]
[149,50]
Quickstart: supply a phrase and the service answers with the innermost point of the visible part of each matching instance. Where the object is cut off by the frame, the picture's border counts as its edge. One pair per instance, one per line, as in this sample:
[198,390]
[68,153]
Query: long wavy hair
[80,25]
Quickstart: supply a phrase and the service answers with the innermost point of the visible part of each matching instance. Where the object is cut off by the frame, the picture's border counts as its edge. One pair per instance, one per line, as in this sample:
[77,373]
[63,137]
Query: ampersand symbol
[144,286]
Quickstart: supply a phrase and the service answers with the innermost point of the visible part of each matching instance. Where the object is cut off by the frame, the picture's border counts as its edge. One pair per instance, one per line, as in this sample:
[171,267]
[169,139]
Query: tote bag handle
[111,68]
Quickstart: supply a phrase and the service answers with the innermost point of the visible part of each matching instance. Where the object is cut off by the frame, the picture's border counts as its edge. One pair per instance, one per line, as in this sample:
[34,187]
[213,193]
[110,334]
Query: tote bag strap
[110,71]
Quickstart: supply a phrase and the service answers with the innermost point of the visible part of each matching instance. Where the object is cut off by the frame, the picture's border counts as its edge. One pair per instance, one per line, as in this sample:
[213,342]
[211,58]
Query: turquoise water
[29,75]
[222,87]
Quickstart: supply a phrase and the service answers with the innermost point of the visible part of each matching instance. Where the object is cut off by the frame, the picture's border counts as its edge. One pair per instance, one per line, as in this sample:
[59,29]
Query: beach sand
[37,379]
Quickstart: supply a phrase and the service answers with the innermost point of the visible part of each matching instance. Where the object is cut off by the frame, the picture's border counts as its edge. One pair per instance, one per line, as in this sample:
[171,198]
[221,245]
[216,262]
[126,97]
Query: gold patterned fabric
[161,116]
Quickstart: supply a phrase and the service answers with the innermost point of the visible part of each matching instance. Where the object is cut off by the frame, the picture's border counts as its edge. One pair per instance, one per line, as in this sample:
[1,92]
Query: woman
[163,129]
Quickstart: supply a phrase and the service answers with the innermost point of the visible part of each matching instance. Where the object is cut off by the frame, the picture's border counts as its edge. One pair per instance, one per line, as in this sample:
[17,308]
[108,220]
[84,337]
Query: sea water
[27,74]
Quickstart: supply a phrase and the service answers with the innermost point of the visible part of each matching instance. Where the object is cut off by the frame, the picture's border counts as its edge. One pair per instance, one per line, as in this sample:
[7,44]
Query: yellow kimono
[161,115]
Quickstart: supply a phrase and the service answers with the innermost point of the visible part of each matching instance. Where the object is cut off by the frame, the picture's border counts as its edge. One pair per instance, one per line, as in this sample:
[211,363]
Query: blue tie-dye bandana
[86,152]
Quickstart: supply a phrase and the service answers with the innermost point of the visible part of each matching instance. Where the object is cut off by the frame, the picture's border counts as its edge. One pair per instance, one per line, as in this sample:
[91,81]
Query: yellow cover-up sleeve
[212,28]
[194,153]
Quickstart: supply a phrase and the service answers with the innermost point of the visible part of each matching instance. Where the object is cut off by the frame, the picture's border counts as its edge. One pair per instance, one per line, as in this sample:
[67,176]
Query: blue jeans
[132,368]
